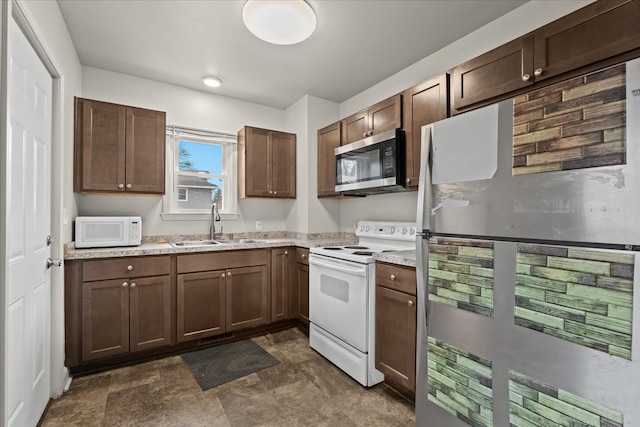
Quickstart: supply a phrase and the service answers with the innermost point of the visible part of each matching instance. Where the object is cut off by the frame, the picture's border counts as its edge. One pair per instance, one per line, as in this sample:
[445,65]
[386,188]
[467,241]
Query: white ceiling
[356,44]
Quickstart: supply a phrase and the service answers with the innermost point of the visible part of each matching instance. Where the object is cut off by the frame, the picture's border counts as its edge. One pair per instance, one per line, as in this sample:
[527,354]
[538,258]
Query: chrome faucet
[215,216]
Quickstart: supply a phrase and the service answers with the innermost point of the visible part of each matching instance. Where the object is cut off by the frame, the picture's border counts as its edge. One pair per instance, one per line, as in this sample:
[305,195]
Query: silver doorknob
[526,77]
[54,263]
[537,72]
[410,303]
[120,185]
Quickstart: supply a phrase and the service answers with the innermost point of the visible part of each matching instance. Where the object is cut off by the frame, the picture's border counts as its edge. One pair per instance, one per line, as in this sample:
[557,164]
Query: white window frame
[186,194]
[170,209]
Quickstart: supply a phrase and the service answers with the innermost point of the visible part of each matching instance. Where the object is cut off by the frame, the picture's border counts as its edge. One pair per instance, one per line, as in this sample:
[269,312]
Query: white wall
[531,15]
[190,108]
[49,28]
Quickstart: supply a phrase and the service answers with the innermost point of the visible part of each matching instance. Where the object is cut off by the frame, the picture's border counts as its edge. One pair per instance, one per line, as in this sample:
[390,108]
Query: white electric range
[342,297]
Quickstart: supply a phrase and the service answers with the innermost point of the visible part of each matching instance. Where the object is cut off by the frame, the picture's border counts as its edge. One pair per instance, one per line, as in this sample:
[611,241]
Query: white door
[29,222]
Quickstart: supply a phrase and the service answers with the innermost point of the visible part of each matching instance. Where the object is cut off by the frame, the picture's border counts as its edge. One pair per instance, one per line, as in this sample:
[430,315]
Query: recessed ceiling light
[211,81]
[281,22]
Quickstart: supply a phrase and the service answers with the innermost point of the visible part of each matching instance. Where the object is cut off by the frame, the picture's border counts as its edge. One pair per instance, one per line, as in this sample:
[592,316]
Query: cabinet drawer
[302,256]
[395,277]
[125,267]
[221,260]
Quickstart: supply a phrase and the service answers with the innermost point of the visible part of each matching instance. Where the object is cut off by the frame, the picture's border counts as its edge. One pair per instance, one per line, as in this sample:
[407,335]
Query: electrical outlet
[259,225]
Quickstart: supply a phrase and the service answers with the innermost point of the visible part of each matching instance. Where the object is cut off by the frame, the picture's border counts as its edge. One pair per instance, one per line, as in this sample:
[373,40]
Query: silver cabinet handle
[364,134]
[133,285]
[526,77]
[275,192]
[130,267]
[120,185]
[54,262]
[228,274]
[222,275]
[393,277]
[537,72]
[270,192]
[125,284]
[303,256]
[286,252]
[128,185]
[410,303]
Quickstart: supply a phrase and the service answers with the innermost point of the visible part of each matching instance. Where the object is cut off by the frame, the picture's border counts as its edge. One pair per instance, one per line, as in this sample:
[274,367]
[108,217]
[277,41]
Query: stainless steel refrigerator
[528,303]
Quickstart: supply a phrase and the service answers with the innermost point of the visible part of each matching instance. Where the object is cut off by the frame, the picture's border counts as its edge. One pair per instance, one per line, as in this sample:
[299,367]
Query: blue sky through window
[203,157]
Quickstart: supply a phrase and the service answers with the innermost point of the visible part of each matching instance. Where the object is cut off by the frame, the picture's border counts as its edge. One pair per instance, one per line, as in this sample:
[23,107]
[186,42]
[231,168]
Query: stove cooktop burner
[365,253]
[356,247]
[333,248]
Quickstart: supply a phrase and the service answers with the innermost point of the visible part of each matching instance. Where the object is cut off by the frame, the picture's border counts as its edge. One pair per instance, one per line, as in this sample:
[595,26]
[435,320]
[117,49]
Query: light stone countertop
[160,245]
[406,258]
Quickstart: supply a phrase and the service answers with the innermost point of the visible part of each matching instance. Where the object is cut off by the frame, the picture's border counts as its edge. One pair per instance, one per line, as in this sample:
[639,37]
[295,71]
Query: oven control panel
[386,230]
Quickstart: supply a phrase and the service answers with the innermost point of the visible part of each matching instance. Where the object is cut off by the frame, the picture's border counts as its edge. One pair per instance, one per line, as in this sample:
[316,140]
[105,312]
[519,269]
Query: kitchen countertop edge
[404,258]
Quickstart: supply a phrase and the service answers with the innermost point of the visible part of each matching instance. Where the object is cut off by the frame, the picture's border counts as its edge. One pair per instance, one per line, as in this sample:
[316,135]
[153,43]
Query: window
[200,171]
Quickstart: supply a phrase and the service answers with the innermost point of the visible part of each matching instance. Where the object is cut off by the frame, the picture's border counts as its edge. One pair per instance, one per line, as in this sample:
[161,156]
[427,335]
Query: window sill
[186,216]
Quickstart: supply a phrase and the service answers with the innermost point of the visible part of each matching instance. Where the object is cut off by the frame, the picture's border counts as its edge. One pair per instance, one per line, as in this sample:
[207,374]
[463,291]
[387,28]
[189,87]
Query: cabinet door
[247,294]
[280,259]
[423,104]
[257,169]
[105,318]
[328,141]
[99,146]
[396,336]
[355,127]
[150,312]
[145,164]
[200,305]
[502,70]
[303,293]
[283,169]
[385,115]
[598,31]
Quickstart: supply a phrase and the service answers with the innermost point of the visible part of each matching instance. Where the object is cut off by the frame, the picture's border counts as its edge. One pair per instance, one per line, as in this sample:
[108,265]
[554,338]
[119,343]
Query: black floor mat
[218,365]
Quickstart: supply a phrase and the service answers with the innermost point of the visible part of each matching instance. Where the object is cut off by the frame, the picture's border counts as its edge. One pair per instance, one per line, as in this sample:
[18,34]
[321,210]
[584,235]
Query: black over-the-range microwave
[372,165]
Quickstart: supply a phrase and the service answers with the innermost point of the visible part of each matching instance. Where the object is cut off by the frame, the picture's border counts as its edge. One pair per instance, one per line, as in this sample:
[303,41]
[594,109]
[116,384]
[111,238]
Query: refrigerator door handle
[423,214]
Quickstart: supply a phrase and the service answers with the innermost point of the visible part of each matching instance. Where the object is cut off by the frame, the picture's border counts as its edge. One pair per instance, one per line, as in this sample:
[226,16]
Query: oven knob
[367,229]
[362,228]
[404,230]
[411,231]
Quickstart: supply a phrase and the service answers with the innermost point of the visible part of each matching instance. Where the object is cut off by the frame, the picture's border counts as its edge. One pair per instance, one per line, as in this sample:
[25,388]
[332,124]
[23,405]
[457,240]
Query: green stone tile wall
[460,383]
[581,295]
[461,274]
[533,403]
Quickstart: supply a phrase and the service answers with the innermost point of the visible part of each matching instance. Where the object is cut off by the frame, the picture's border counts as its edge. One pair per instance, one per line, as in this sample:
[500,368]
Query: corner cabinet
[380,117]
[266,163]
[423,104]
[118,149]
[597,32]
[396,326]
[329,139]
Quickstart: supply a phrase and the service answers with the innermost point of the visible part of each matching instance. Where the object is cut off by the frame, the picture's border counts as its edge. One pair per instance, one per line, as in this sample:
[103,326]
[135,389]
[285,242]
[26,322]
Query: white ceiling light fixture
[211,81]
[282,22]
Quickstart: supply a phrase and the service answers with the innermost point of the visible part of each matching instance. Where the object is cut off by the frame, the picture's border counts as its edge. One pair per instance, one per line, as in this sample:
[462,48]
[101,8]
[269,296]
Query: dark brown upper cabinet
[118,149]
[380,117]
[598,32]
[266,163]
[423,104]
[328,140]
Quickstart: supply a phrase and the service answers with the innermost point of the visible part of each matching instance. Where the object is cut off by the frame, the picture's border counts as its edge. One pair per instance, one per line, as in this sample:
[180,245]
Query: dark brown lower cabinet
[303,293]
[125,315]
[396,334]
[201,305]
[281,283]
[247,291]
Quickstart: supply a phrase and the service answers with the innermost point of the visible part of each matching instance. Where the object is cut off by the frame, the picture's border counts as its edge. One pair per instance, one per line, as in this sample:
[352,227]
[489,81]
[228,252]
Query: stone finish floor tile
[303,390]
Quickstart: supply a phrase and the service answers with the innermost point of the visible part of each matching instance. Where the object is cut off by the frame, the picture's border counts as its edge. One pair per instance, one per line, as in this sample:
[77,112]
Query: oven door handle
[338,267]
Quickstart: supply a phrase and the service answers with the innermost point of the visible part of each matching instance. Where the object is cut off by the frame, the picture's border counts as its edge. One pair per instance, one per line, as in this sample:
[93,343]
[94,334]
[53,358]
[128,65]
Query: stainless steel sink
[229,241]
[193,243]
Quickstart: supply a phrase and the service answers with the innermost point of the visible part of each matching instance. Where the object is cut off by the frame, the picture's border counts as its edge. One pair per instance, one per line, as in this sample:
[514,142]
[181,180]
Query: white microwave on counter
[108,231]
